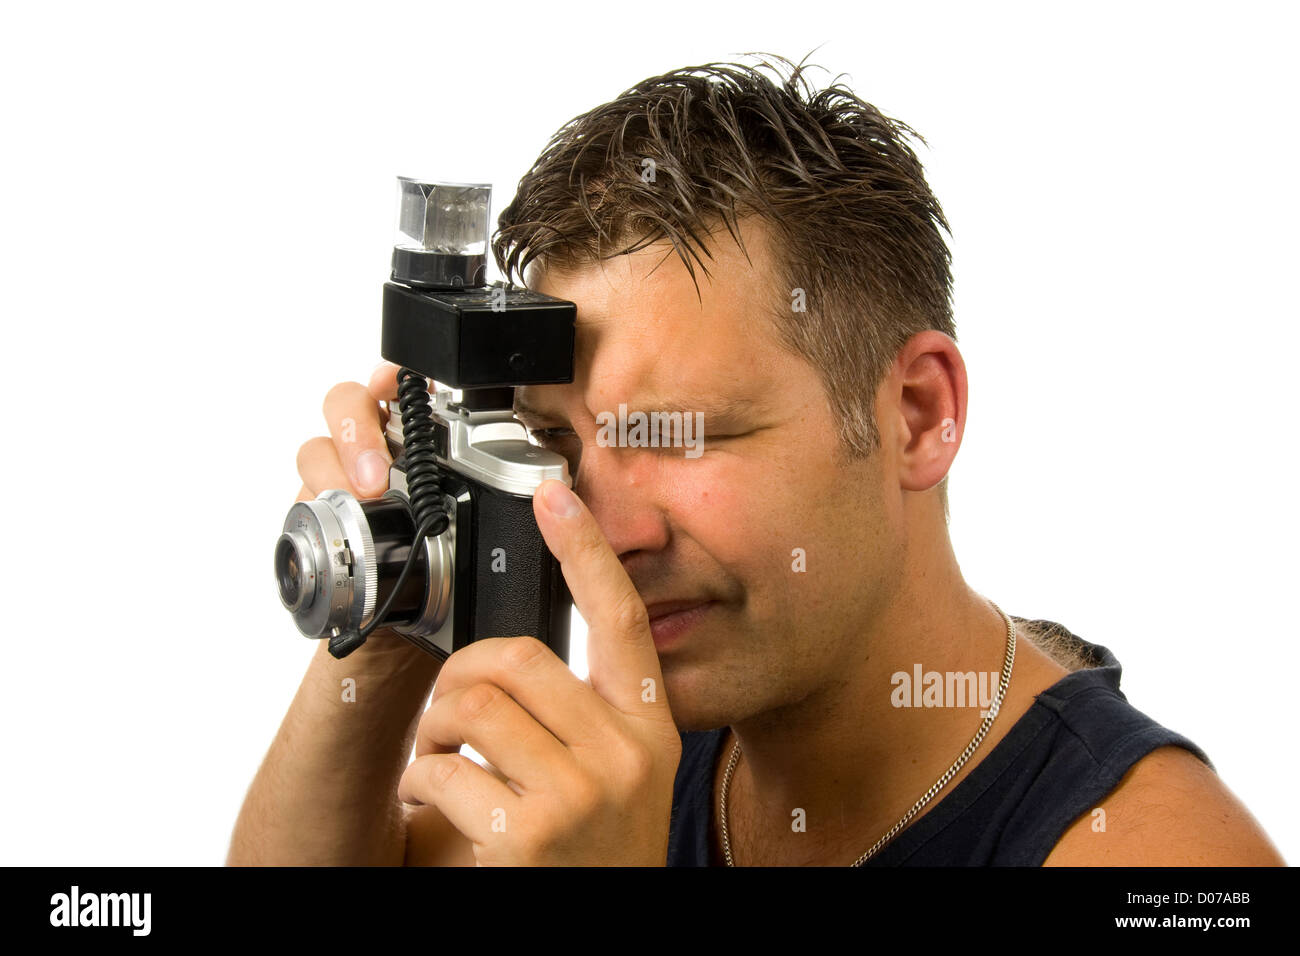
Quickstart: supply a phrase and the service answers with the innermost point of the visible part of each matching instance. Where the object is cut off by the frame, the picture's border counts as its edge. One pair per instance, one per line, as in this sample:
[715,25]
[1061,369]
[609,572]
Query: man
[764,258]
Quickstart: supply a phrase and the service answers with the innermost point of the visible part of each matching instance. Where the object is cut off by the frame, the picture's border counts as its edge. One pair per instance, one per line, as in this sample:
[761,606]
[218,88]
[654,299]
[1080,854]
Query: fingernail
[370,470]
[559,500]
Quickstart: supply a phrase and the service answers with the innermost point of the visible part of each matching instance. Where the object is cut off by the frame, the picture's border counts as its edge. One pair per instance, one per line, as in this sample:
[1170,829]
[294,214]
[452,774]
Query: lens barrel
[339,559]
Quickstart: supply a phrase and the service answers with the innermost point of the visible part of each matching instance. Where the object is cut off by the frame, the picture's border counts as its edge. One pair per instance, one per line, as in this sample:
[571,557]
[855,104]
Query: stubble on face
[771,520]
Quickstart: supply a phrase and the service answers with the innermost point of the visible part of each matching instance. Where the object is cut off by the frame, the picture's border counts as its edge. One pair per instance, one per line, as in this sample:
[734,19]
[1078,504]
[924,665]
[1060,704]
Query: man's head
[854,224]
[806,314]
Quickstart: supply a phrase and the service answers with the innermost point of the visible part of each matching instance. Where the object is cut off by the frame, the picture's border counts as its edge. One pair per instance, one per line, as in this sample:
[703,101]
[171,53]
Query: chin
[696,707]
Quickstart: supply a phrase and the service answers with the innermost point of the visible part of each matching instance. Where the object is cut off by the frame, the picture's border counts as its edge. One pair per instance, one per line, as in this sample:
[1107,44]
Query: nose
[619,486]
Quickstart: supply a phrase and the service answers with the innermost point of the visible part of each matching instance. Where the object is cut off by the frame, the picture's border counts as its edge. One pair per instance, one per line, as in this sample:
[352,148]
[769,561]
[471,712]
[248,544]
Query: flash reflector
[442,234]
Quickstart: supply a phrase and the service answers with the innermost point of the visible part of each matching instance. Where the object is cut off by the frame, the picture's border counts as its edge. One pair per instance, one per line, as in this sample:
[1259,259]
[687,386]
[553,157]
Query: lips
[664,608]
[671,621]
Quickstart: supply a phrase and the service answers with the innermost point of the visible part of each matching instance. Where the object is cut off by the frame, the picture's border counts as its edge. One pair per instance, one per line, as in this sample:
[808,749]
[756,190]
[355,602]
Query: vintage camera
[451,553]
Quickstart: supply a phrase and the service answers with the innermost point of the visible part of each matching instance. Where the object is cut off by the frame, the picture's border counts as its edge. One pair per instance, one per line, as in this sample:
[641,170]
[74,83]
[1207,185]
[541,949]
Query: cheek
[794,536]
[761,524]
[714,502]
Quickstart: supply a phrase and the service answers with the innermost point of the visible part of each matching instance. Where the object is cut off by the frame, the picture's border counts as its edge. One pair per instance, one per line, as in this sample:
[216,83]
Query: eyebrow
[715,409]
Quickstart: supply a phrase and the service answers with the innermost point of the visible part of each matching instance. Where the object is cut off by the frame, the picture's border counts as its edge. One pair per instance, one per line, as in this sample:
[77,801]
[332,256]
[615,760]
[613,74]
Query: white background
[197,210]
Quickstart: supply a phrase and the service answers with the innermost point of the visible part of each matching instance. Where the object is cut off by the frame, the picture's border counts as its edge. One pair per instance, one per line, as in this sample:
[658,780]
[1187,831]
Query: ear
[929,379]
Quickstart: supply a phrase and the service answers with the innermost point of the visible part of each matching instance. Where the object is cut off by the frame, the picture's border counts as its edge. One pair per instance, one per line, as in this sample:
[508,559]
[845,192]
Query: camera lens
[288,572]
[339,559]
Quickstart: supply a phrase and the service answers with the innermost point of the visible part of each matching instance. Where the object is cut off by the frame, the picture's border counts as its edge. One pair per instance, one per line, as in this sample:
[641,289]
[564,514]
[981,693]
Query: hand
[355,459]
[584,769]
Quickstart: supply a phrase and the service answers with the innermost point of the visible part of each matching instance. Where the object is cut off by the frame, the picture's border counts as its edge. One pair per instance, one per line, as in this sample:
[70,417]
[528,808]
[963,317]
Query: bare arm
[326,793]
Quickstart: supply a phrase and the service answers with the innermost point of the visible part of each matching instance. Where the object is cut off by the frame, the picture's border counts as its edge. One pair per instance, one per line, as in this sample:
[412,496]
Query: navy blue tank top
[1068,751]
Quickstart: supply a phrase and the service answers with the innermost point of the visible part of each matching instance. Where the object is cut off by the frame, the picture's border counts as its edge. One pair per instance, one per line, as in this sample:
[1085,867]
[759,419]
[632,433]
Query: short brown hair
[855,225]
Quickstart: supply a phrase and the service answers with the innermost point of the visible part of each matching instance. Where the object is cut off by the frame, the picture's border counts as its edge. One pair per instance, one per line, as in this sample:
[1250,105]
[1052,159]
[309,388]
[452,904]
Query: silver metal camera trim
[357,530]
[337,517]
[491,447]
[435,623]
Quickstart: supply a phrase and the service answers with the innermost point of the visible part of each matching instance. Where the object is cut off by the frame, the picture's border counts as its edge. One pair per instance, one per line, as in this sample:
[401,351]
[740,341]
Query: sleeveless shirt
[1067,752]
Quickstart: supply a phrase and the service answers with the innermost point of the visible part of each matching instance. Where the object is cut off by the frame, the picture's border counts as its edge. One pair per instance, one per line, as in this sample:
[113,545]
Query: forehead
[644,331]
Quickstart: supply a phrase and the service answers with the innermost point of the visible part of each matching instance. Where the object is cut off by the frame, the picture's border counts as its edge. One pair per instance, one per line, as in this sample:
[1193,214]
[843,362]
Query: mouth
[670,621]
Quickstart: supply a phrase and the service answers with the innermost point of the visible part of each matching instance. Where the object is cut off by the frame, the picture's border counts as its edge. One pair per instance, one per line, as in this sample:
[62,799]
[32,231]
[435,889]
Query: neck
[847,756]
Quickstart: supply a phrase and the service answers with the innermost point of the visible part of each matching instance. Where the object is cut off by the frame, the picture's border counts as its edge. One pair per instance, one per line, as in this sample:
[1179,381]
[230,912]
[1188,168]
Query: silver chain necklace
[929,794]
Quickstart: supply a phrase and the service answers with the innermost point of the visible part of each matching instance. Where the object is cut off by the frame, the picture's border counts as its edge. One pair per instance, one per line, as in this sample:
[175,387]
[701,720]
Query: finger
[319,468]
[469,797]
[536,680]
[620,649]
[304,494]
[489,720]
[383,382]
[383,386]
[353,418]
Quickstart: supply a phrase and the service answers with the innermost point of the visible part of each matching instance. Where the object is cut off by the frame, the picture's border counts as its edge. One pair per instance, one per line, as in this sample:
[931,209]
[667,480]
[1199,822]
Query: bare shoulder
[1170,809]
